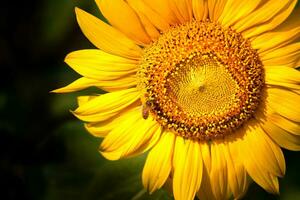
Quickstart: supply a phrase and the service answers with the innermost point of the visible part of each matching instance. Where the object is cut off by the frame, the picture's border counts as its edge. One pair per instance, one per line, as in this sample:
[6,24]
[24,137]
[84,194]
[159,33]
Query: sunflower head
[208,87]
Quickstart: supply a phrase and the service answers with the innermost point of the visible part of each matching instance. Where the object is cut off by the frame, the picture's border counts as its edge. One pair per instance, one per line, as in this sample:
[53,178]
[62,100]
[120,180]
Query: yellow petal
[291,51]
[205,14]
[262,14]
[279,135]
[149,27]
[84,99]
[282,76]
[291,22]
[211,6]
[106,37]
[148,144]
[256,138]
[143,10]
[163,9]
[256,154]
[118,84]
[129,137]
[113,85]
[271,40]
[285,124]
[101,129]
[219,176]
[273,22]
[107,105]
[237,175]
[187,169]
[158,164]
[205,150]
[218,9]
[284,102]
[235,10]
[122,16]
[182,9]
[122,133]
[198,9]
[77,85]
[205,191]
[97,64]
[278,154]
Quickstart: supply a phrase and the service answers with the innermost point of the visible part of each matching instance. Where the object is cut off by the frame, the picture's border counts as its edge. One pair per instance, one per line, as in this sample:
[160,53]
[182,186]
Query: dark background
[45,153]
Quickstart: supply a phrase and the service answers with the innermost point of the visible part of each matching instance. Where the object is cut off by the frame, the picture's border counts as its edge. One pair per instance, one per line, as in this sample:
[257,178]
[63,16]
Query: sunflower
[209,87]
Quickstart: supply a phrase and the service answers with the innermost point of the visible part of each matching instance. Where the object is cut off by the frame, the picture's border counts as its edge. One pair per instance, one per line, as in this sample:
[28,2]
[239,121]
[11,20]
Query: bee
[146,109]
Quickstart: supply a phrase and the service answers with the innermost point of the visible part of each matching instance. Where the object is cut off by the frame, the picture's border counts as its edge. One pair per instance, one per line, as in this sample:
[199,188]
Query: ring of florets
[192,44]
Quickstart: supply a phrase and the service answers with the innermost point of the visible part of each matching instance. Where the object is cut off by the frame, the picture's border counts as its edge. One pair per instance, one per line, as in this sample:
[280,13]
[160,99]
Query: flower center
[200,80]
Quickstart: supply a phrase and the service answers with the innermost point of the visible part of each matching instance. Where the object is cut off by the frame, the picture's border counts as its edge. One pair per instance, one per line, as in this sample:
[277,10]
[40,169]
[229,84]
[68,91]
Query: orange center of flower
[200,80]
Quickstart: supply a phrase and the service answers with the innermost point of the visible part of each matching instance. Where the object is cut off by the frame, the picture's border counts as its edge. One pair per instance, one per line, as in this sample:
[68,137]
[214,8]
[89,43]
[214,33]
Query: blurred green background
[45,152]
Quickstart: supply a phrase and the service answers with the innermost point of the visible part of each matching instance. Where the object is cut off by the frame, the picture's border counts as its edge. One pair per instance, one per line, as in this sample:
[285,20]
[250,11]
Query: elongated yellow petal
[276,39]
[235,10]
[112,85]
[149,27]
[159,162]
[219,175]
[282,76]
[145,10]
[285,124]
[261,15]
[282,137]
[287,61]
[237,175]
[118,135]
[148,144]
[256,138]
[163,9]
[205,14]
[218,9]
[122,16]
[284,102]
[211,6]
[273,23]
[255,159]
[291,22]
[129,138]
[105,37]
[182,9]
[198,9]
[106,106]
[291,50]
[96,64]
[84,99]
[101,129]
[79,84]
[119,84]
[286,56]
[205,191]
[187,169]
[278,154]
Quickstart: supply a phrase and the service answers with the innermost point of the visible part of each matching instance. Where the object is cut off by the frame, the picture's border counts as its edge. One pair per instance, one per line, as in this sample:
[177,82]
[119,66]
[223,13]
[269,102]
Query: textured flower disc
[200,80]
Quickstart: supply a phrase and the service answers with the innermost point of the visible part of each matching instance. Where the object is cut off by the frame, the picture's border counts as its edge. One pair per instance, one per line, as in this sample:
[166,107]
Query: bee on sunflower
[209,87]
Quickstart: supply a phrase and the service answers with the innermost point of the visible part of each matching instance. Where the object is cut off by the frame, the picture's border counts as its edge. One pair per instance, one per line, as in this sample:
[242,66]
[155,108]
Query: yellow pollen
[200,80]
